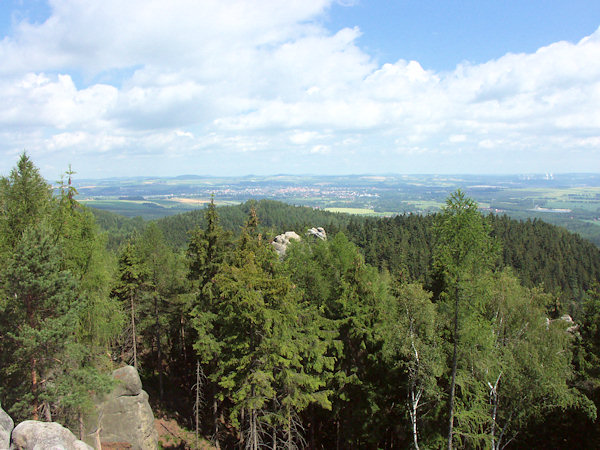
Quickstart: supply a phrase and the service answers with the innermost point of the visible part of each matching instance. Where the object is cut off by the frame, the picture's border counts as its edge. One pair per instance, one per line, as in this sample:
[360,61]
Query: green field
[361,212]
[519,196]
[150,209]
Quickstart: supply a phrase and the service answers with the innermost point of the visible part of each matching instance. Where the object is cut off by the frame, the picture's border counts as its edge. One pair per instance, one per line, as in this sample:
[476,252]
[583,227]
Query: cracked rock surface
[6,427]
[124,416]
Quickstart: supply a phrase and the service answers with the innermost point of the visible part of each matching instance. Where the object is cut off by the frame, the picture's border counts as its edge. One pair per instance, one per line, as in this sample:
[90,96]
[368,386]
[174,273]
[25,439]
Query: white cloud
[230,77]
[303,137]
[320,149]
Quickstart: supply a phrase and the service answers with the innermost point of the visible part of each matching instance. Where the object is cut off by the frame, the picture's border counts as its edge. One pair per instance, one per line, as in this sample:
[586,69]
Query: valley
[568,200]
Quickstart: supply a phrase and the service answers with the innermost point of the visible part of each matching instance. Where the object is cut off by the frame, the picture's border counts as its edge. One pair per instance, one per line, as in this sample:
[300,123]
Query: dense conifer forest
[455,330]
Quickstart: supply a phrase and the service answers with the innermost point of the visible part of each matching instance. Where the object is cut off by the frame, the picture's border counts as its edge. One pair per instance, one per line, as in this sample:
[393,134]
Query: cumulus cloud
[230,78]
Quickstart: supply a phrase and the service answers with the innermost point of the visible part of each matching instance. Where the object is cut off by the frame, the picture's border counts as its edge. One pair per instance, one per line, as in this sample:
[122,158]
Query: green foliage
[264,348]
[55,280]
[341,342]
[24,200]
[349,294]
[272,217]
[118,229]
[463,244]
[463,250]
[412,347]
[43,352]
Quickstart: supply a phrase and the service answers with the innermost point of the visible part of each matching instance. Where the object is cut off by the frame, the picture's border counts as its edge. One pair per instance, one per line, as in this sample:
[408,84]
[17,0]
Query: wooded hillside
[449,331]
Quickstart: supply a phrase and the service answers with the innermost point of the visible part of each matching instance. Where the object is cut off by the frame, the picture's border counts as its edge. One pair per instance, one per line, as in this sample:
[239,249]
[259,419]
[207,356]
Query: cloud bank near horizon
[236,87]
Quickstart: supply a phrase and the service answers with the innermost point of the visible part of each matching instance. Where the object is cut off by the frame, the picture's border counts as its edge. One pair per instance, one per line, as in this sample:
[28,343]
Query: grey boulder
[34,435]
[128,382]
[6,427]
[123,417]
[318,232]
[281,241]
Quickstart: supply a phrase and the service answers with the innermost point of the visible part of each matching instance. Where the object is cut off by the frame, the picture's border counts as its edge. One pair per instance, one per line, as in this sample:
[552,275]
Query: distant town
[569,200]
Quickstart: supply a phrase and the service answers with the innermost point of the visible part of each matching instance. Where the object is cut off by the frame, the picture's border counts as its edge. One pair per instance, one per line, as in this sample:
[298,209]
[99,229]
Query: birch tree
[412,345]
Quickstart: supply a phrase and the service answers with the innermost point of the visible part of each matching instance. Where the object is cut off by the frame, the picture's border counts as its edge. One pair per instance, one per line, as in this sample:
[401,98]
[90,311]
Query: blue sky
[231,87]
[442,34]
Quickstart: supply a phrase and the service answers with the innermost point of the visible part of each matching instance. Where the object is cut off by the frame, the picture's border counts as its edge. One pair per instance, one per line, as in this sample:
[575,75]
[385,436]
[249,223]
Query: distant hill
[540,253]
[568,200]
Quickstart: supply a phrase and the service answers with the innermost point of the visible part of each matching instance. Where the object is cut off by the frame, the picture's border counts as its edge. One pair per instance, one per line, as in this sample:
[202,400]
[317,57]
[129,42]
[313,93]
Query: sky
[331,87]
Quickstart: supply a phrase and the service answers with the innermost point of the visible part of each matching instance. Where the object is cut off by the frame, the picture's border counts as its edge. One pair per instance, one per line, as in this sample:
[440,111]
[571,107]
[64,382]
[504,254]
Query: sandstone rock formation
[123,417]
[281,241]
[317,232]
[34,435]
[6,427]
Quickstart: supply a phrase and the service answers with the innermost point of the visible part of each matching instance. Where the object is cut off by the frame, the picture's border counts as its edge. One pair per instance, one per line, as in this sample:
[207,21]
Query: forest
[450,330]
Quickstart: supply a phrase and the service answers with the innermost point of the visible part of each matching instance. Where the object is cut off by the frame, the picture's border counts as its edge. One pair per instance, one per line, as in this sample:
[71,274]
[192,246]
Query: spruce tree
[271,350]
[130,286]
[208,250]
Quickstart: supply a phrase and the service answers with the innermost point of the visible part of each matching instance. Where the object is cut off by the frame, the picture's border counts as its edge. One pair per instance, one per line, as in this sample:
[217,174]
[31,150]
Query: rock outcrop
[123,417]
[572,326]
[6,427]
[281,242]
[317,232]
[34,435]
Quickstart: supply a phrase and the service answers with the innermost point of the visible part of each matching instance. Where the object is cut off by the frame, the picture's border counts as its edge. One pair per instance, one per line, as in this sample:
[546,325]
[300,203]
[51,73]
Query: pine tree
[53,282]
[25,198]
[163,286]
[39,320]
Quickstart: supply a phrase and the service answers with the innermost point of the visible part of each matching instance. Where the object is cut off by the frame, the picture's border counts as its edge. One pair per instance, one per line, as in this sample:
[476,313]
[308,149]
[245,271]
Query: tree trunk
[454,363]
[337,434]
[182,336]
[216,420]
[97,440]
[47,412]
[414,399]
[414,406]
[34,381]
[133,334]
[289,428]
[158,350]
[312,426]
[197,404]
[34,387]
[494,401]
[81,427]
[253,431]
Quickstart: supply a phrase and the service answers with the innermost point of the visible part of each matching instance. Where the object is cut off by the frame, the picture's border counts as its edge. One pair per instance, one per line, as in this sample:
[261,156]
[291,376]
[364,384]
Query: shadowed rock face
[6,427]
[124,416]
[34,435]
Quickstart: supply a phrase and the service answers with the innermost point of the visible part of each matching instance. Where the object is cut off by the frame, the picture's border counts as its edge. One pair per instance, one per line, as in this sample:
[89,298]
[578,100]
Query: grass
[424,204]
[360,211]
